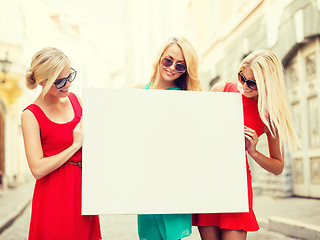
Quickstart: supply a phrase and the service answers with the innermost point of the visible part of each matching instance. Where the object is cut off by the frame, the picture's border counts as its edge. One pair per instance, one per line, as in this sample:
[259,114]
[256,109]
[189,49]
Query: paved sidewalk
[292,217]
[13,201]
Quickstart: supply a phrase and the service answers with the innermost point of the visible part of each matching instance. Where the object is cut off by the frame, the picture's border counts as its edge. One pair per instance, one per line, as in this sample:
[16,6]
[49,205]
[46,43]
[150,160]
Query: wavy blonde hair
[272,101]
[46,65]
[188,80]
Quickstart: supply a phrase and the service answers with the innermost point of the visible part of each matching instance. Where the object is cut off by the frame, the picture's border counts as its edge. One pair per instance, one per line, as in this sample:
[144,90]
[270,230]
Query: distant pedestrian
[265,108]
[175,68]
[53,138]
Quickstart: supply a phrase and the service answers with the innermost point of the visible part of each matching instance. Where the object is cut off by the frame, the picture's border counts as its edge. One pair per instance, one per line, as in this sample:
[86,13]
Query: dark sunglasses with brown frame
[250,83]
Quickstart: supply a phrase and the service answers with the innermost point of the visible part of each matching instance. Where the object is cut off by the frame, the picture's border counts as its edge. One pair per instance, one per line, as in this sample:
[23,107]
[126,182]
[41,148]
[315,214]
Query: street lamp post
[5,64]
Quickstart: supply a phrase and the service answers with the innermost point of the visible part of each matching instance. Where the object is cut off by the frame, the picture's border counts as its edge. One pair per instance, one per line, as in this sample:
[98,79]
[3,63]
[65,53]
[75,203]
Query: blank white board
[162,151]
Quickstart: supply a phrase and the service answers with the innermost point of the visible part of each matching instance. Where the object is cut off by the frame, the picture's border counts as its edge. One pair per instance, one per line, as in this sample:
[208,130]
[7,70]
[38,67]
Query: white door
[303,85]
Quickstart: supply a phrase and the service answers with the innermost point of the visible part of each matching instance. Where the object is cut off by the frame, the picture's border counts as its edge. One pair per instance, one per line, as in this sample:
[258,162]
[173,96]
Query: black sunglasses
[250,83]
[167,62]
[60,83]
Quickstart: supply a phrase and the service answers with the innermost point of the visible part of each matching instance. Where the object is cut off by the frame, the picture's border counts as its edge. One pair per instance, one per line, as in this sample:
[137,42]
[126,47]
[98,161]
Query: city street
[247,69]
[117,227]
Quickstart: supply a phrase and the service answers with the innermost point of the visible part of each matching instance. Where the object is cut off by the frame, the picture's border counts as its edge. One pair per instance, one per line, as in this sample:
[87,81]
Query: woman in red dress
[53,137]
[265,108]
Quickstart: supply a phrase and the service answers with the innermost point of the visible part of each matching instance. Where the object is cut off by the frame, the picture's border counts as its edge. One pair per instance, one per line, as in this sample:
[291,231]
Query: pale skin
[57,108]
[169,74]
[274,163]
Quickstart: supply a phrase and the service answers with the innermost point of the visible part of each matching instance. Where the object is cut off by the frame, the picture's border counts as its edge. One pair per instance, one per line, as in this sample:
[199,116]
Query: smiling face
[62,92]
[169,74]
[244,89]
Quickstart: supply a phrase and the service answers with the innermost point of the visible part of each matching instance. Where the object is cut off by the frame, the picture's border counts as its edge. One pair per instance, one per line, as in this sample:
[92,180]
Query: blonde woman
[261,83]
[53,137]
[175,68]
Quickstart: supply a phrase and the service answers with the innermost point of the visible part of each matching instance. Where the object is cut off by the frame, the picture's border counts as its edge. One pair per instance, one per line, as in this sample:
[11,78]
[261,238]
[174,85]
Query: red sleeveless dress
[56,204]
[237,221]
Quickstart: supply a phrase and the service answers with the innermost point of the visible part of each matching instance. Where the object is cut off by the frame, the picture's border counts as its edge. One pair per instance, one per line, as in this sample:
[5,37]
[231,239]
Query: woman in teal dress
[175,68]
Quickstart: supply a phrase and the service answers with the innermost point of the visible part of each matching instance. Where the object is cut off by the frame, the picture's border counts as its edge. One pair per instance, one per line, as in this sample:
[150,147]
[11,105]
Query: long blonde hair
[46,65]
[272,100]
[188,80]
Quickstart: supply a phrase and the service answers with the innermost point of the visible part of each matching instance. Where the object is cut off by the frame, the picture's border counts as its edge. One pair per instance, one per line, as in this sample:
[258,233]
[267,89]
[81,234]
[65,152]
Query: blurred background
[112,44]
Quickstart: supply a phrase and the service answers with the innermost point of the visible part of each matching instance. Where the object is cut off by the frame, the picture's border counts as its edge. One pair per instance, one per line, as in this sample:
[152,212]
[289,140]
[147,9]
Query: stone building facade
[290,28]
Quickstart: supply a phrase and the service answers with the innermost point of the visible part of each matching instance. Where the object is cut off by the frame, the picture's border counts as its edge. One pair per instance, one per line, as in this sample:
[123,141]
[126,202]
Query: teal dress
[164,226]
